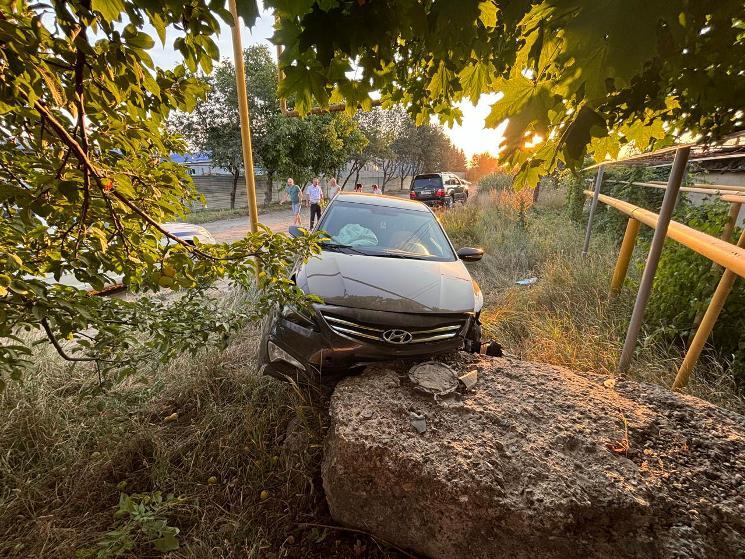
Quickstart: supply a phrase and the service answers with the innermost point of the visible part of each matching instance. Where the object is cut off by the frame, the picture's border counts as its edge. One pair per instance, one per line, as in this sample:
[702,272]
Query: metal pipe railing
[677,174]
[698,190]
[725,254]
[707,186]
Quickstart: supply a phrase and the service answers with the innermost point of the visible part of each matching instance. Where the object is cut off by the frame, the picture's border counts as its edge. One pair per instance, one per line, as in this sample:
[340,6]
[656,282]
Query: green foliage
[574,184]
[142,522]
[85,183]
[592,76]
[685,282]
[617,183]
[495,182]
[300,148]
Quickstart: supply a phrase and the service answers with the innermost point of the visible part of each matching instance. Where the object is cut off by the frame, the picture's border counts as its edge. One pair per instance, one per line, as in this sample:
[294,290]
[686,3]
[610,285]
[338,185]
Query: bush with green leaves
[86,184]
[683,286]
[494,182]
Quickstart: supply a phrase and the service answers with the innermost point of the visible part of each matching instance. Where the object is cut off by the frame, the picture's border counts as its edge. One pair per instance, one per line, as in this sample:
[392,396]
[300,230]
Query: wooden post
[593,205]
[707,323]
[240,82]
[624,256]
[650,268]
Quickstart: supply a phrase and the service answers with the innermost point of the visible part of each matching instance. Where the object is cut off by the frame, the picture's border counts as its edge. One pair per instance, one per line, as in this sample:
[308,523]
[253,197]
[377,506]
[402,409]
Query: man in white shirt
[315,195]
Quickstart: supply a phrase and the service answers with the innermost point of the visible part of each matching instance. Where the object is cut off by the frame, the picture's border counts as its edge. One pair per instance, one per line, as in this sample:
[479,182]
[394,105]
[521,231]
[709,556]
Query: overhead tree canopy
[587,75]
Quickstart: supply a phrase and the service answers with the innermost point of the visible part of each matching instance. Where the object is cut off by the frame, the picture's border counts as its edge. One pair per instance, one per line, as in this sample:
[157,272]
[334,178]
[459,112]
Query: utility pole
[240,82]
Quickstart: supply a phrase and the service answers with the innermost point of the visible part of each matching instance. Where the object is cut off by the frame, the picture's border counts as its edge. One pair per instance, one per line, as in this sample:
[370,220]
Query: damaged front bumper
[334,339]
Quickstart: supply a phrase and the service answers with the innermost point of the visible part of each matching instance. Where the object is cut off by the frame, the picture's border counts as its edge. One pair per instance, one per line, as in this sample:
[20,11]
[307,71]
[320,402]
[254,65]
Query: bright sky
[470,136]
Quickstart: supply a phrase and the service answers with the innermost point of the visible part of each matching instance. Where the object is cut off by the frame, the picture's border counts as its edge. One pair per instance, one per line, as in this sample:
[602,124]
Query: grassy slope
[68,449]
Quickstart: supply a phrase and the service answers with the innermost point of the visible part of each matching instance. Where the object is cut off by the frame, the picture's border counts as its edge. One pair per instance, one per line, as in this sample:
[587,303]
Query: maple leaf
[476,79]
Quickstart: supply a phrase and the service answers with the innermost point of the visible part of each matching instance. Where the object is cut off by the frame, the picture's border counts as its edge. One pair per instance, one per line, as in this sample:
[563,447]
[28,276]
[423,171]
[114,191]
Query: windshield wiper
[340,247]
[393,253]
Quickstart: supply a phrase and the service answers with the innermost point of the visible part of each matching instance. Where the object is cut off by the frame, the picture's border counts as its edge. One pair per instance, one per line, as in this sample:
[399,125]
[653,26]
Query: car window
[384,231]
[426,182]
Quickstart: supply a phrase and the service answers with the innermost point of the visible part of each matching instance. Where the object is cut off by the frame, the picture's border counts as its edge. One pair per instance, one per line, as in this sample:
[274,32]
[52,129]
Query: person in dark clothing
[315,195]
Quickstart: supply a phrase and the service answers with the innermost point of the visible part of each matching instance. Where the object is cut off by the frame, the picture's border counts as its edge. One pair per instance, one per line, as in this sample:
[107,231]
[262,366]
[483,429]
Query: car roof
[381,200]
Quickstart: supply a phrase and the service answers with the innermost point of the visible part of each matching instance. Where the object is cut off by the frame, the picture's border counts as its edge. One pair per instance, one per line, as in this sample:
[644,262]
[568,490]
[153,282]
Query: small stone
[469,379]
[171,418]
[290,540]
[264,495]
[212,480]
[418,421]
[366,414]
[609,383]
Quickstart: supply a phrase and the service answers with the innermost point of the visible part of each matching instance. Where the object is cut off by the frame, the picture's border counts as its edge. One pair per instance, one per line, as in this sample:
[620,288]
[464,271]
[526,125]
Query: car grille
[368,332]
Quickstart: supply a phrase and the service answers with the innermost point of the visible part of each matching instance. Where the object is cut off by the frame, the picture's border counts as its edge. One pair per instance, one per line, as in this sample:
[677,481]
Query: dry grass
[70,449]
[567,317]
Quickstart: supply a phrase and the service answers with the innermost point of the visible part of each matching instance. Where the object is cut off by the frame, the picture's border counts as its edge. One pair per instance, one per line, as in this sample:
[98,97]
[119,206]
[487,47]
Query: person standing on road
[377,190]
[315,196]
[295,195]
[334,188]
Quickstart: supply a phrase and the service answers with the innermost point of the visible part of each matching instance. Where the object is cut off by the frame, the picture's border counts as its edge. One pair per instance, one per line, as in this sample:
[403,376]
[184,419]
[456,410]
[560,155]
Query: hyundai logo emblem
[397,336]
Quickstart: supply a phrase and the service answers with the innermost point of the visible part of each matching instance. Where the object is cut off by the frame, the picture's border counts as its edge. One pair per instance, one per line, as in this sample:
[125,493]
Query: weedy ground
[210,455]
[566,317]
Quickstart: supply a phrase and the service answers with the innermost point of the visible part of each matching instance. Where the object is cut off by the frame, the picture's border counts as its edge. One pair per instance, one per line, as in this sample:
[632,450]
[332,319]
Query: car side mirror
[470,254]
[295,231]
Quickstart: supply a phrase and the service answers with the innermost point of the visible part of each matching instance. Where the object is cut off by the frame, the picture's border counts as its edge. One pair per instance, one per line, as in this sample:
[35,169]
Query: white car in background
[187,232]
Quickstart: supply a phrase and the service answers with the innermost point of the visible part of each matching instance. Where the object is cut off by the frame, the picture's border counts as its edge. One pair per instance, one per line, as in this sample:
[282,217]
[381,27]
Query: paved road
[233,229]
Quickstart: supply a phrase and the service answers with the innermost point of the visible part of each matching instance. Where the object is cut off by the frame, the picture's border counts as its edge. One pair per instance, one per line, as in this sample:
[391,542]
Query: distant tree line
[319,145]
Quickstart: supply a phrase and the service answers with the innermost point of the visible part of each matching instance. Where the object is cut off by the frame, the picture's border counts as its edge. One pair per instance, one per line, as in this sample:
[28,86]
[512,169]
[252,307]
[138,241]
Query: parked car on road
[438,189]
[392,287]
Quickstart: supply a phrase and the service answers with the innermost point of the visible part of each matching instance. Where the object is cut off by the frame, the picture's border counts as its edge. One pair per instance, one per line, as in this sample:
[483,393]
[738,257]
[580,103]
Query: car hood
[388,284]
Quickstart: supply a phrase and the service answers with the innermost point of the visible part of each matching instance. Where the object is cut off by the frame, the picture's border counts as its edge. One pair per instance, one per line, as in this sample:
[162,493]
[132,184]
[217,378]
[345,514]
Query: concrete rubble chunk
[538,462]
[469,379]
[434,378]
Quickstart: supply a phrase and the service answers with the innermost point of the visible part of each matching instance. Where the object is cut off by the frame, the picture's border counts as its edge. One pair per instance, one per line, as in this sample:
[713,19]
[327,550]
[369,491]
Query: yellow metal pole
[734,211]
[707,323]
[624,256]
[240,82]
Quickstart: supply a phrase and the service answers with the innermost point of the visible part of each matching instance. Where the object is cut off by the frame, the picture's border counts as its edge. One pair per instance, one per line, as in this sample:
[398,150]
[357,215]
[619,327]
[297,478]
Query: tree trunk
[269,186]
[357,177]
[536,192]
[236,176]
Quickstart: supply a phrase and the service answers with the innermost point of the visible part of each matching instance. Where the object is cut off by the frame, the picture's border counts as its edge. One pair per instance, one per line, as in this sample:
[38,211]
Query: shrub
[495,182]
[684,284]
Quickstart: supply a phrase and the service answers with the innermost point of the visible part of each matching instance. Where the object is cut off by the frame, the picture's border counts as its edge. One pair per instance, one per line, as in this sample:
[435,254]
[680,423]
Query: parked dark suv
[439,189]
[392,287]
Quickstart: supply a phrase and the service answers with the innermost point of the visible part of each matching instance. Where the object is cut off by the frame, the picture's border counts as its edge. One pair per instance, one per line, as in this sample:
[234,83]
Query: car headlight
[276,353]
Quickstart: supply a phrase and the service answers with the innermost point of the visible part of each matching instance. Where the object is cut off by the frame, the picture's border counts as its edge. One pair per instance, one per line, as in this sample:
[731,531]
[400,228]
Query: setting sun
[471,136]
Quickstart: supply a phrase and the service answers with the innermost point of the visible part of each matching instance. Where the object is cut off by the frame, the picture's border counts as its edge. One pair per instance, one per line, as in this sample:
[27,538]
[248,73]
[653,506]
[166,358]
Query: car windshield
[384,231]
[426,182]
